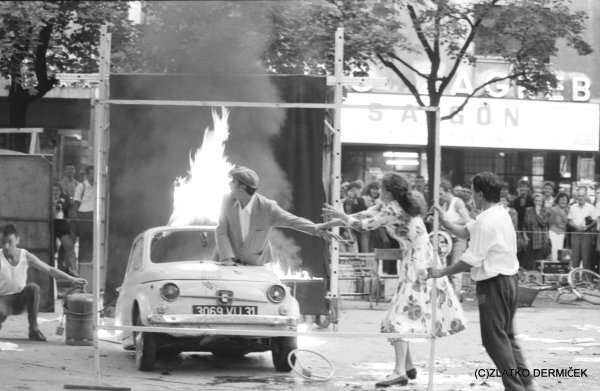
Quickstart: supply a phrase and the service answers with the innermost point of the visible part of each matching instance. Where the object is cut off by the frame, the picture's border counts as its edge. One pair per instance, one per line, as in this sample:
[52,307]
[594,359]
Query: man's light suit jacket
[265,214]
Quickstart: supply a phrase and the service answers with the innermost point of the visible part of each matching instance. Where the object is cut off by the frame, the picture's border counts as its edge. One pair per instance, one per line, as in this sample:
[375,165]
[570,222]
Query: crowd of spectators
[546,219]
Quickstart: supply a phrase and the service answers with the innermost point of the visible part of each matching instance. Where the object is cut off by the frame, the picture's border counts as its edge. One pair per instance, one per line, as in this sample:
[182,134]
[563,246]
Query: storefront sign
[484,122]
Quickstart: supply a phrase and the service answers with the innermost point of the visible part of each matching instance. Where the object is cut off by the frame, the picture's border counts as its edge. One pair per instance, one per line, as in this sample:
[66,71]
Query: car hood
[194,270]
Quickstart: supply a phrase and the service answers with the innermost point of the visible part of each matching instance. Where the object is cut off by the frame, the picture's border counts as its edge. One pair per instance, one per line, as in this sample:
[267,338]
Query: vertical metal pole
[100,112]
[337,158]
[436,226]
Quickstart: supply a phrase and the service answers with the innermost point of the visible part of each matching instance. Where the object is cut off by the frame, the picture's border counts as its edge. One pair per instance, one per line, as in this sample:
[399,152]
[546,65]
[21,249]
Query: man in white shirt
[492,257]
[16,294]
[582,219]
[84,201]
[246,218]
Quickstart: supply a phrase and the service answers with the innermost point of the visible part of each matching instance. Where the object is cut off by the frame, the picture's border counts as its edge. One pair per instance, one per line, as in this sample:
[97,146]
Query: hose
[307,372]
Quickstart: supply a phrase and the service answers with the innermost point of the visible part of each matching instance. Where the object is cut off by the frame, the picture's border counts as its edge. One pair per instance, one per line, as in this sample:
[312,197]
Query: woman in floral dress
[410,310]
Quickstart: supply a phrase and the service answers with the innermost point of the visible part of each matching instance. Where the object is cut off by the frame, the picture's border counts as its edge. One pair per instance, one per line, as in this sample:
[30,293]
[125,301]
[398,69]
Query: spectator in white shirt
[84,201]
[492,257]
[582,219]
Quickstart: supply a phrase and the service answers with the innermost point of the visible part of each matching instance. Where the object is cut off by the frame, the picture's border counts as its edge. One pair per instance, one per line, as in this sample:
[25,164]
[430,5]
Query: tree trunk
[431,117]
[18,100]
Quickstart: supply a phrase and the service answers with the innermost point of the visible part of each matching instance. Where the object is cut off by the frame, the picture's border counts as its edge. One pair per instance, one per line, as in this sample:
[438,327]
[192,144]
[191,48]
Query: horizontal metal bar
[358,81]
[198,103]
[27,219]
[262,333]
[21,130]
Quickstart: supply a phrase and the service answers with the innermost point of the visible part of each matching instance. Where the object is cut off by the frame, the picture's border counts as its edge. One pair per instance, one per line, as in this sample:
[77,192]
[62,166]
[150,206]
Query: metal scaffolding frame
[101,128]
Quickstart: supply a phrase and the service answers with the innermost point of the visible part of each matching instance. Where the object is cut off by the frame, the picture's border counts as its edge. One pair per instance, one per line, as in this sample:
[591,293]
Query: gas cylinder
[79,310]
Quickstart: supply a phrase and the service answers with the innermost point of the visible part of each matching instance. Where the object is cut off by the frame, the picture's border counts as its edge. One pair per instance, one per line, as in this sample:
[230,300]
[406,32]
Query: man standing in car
[246,219]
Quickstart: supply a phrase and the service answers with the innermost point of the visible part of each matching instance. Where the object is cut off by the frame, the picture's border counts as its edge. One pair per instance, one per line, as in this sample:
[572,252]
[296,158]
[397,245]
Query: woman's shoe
[411,373]
[391,380]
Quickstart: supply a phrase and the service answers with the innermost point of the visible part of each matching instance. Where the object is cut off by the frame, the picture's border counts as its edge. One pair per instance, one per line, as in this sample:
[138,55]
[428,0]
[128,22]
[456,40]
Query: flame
[197,198]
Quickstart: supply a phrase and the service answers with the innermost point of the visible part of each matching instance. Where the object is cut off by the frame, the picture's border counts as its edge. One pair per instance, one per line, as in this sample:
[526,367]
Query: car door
[130,284]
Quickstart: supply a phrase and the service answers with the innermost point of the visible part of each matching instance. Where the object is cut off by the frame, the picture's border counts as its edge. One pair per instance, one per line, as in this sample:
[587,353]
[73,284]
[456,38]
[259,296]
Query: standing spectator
[582,219]
[456,212]
[85,200]
[557,223]
[68,183]
[536,227]
[548,192]
[511,212]
[377,238]
[504,190]
[62,231]
[520,204]
[597,242]
[421,186]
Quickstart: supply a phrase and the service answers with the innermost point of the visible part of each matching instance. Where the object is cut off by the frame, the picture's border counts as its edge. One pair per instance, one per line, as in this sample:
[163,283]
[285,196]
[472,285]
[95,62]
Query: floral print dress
[410,310]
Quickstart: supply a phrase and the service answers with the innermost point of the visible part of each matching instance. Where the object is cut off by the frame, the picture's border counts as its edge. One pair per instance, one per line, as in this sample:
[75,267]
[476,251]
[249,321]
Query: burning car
[172,281]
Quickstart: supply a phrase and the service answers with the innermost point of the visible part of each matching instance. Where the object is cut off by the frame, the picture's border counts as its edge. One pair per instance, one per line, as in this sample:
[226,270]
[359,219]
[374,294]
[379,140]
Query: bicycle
[580,284]
[585,284]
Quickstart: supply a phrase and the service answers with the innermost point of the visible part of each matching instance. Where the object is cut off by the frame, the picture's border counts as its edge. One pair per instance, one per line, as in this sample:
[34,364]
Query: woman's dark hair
[372,185]
[489,185]
[399,186]
[561,195]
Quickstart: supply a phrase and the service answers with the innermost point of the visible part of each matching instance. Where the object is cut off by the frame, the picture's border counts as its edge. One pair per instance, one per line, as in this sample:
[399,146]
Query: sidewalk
[553,336]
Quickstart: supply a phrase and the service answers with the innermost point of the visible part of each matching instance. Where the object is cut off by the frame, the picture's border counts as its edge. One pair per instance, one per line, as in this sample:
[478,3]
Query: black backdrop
[150,146]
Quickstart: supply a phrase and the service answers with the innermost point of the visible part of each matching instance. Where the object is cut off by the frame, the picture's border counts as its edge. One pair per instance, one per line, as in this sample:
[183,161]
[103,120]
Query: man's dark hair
[10,229]
[249,190]
[488,184]
[89,169]
[446,185]
[522,182]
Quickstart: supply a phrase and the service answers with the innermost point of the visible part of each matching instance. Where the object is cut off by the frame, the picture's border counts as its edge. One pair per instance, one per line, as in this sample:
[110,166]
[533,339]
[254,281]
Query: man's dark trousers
[16,303]
[497,298]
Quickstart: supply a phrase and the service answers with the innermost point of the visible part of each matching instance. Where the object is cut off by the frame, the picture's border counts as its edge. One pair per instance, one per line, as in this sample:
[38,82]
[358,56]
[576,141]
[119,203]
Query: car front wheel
[280,350]
[145,348]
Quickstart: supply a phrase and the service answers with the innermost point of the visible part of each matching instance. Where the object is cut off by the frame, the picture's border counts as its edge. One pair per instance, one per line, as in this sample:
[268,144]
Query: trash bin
[79,311]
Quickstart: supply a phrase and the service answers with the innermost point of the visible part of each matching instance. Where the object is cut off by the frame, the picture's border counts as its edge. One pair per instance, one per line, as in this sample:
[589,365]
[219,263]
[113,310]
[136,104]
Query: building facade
[501,129]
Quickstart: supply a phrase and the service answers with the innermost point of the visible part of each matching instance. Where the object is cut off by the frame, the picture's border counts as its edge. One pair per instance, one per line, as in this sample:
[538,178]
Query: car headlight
[169,291]
[276,293]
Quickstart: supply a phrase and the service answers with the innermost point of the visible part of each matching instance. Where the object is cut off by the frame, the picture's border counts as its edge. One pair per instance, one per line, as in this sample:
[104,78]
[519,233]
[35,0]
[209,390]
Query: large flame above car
[197,197]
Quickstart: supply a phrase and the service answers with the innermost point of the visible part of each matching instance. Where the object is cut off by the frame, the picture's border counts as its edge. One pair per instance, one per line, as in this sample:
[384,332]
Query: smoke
[151,145]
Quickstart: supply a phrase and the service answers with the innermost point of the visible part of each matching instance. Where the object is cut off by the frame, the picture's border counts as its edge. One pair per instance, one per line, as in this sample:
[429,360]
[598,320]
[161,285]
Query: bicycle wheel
[586,283]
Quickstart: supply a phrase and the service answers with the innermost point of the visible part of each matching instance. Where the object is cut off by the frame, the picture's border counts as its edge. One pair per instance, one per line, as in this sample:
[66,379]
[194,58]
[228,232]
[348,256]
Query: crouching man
[15,293]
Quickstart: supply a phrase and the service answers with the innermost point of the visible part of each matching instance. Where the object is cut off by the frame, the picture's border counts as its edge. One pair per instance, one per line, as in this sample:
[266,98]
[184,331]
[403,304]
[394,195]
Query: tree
[41,38]
[524,33]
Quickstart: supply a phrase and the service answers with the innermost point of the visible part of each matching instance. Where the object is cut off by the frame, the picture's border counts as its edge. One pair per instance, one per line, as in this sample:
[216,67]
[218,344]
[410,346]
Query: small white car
[172,281]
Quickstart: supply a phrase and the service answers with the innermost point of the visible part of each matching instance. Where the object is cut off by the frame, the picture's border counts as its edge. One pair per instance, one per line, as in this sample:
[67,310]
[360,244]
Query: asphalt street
[553,335]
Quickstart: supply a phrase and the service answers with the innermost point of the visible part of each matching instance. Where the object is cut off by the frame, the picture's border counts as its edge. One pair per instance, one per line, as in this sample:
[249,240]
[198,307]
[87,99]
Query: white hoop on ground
[306,372]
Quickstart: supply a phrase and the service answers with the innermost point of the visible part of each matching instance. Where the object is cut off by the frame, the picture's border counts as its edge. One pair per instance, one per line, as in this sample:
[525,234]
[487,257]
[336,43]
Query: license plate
[225,310]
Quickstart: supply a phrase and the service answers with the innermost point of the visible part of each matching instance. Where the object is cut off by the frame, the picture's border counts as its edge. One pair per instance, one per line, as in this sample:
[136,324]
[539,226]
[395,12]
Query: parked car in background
[172,281]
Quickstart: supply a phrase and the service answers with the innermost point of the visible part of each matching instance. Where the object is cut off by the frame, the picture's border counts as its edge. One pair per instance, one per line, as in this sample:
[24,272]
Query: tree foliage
[447,33]
[41,38]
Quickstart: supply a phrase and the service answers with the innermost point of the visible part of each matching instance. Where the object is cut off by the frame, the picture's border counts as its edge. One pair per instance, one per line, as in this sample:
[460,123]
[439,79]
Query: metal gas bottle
[79,311]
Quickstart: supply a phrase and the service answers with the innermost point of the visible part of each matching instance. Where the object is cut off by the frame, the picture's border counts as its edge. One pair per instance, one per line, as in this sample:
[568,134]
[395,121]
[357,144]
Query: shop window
[537,171]
[565,166]
[585,169]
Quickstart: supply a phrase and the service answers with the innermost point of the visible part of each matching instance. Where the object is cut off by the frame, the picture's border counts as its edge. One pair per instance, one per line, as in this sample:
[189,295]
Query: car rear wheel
[280,350]
[145,348]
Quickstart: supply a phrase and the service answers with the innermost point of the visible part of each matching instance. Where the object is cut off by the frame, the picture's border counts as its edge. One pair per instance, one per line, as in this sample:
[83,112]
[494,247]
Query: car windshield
[177,246]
